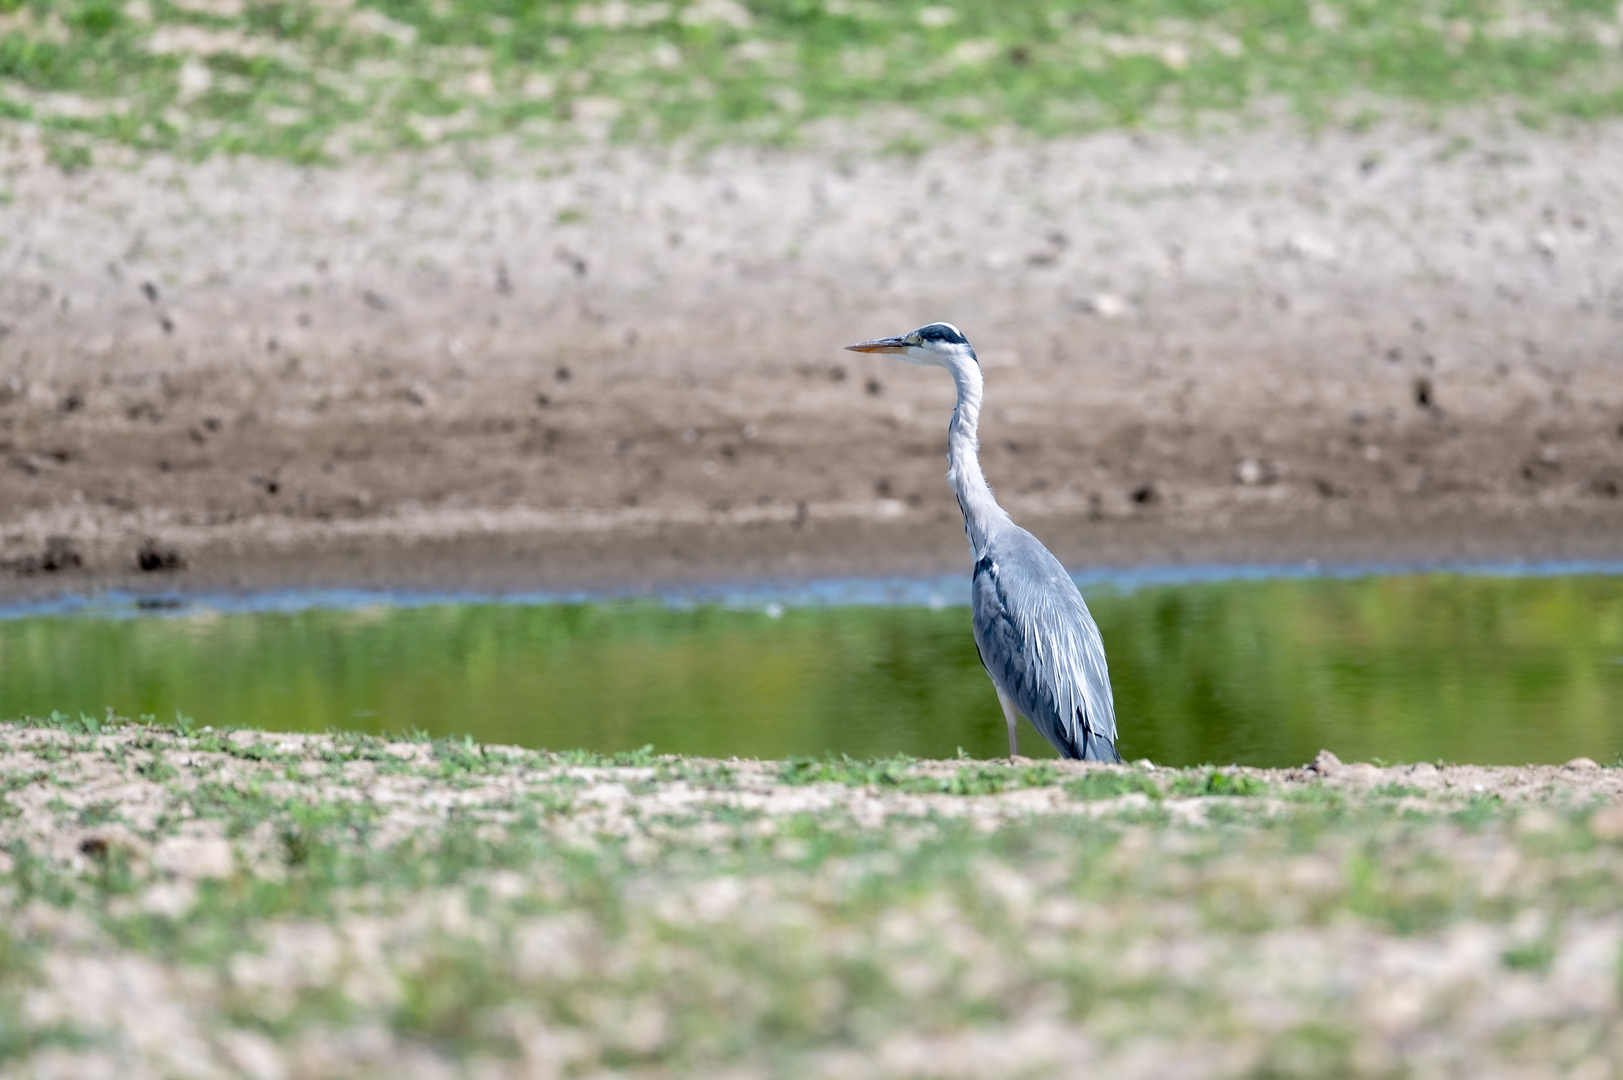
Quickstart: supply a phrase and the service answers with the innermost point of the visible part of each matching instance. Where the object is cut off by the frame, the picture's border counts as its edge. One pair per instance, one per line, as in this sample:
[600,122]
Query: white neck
[982,514]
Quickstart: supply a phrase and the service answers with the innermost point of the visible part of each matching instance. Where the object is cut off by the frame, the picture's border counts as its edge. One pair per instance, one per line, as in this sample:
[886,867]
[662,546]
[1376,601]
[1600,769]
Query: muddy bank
[624,366]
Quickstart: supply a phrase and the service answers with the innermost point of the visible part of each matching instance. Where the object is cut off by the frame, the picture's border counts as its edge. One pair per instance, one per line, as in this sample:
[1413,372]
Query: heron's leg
[1012,715]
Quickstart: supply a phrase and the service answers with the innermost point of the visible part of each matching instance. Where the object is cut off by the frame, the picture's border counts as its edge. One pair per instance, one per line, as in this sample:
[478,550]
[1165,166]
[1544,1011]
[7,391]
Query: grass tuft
[1214,782]
[1102,784]
[899,774]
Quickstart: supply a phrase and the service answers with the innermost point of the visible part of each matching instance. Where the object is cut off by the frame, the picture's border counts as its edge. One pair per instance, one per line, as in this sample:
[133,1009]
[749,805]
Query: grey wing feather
[1042,648]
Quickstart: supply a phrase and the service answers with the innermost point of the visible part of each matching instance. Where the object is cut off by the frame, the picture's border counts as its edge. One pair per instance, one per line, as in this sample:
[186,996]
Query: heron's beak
[884,345]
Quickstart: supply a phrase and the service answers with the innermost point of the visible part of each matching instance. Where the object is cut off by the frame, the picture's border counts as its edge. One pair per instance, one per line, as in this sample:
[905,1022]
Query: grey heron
[1035,636]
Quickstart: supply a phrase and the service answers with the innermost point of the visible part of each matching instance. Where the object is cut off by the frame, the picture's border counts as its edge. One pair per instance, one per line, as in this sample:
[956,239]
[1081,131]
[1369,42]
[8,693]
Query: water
[1264,672]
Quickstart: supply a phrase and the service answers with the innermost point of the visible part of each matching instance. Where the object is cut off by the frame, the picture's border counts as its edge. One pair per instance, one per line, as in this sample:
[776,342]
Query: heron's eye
[914,339]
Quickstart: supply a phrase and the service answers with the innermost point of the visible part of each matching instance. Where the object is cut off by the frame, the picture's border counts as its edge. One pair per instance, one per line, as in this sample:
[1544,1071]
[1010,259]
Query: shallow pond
[1484,669]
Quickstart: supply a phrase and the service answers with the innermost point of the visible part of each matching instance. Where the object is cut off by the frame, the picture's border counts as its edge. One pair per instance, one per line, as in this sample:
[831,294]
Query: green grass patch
[898,773]
[1103,784]
[308,81]
[1533,956]
[1212,782]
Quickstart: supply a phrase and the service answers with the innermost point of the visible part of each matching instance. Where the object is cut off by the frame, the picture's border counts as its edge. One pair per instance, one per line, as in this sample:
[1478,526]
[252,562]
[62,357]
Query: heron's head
[936,345]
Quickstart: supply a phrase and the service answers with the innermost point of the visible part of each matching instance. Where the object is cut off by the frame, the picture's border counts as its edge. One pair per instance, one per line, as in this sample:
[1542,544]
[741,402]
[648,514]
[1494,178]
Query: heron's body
[1035,636]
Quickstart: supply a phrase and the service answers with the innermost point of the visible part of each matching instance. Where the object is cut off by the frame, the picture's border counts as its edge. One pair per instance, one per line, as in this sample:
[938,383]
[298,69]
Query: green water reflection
[1480,669]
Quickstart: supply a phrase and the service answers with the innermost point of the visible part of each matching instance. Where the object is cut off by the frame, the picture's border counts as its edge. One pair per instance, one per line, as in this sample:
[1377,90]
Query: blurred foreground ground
[532,370]
[196,903]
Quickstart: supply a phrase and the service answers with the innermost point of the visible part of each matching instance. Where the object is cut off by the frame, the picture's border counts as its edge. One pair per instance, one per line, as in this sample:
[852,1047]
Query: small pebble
[1325,763]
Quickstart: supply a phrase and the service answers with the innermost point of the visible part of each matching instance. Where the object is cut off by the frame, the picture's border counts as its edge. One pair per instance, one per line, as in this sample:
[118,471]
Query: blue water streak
[772,596]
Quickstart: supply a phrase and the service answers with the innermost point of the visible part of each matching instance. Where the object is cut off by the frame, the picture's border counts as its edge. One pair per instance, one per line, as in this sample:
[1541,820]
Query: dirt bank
[197,903]
[624,366]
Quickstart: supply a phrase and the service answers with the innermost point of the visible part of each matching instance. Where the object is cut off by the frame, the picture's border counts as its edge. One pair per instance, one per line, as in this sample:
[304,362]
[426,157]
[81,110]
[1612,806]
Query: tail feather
[1095,746]
[1082,743]
[1098,748]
